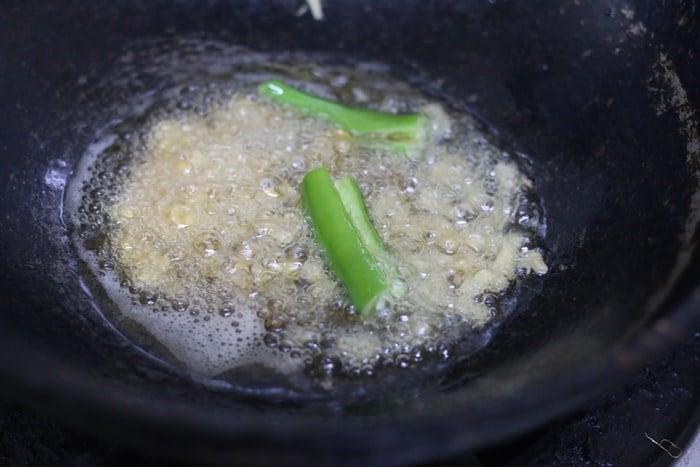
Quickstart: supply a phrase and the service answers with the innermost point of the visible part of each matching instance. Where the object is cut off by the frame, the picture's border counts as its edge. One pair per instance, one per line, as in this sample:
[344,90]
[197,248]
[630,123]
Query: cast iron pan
[601,96]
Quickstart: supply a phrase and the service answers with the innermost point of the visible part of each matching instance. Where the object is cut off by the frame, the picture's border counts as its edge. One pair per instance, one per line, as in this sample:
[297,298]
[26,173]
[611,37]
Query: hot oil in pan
[188,214]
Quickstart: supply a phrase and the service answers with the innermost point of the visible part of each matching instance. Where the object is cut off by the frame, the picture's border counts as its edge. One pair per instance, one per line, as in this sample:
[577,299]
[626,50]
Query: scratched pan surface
[602,96]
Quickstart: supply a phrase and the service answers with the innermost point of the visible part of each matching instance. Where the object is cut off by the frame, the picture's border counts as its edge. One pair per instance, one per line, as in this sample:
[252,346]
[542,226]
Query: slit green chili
[351,245]
[395,131]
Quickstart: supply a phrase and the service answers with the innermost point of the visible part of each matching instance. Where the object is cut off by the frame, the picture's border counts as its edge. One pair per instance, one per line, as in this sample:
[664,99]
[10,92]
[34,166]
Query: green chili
[349,241]
[396,131]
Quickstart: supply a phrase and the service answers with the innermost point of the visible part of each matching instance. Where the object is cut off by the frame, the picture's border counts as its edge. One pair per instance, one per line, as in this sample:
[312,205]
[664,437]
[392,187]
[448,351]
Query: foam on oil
[189,216]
